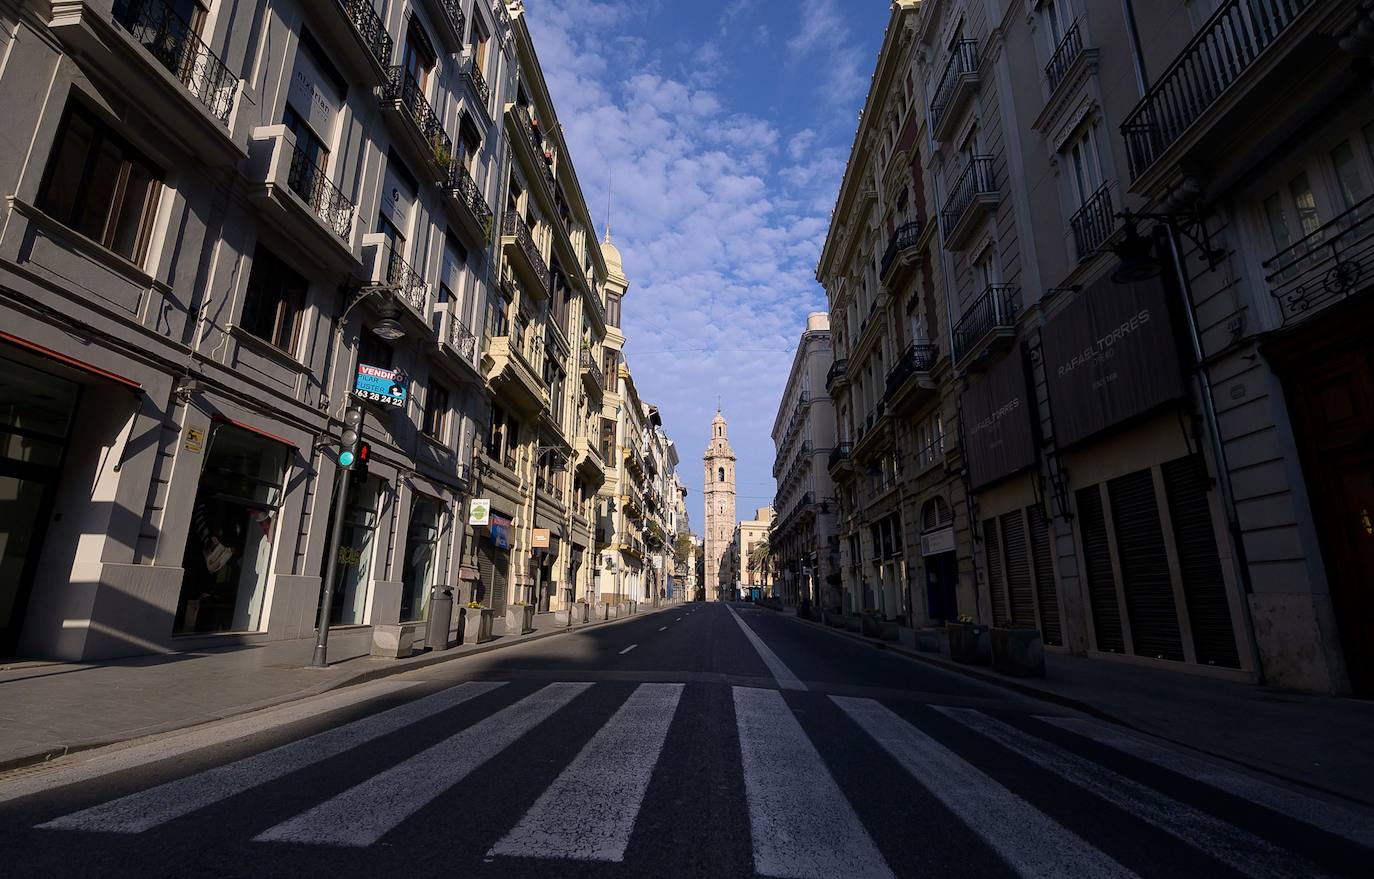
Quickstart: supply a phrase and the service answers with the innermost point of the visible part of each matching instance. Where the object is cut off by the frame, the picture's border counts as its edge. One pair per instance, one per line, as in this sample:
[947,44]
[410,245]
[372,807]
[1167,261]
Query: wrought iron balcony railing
[977,179]
[1324,266]
[478,83]
[1067,52]
[370,27]
[170,39]
[903,239]
[841,452]
[409,286]
[402,88]
[995,309]
[461,339]
[593,297]
[453,11]
[963,60]
[1093,222]
[461,184]
[513,225]
[837,369]
[1223,49]
[592,369]
[310,182]
[918,357]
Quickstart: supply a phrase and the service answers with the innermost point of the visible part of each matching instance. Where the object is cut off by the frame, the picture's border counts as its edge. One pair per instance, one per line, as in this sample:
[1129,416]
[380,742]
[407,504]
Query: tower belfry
[718,492]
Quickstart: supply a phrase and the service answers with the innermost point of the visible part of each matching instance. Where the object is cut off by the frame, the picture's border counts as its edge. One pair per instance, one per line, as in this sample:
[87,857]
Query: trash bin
[439,616]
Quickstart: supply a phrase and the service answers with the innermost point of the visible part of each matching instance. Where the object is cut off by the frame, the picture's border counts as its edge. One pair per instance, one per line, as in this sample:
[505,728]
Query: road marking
[1244,851]
[158,805]
[589,812]
[1029,841]
[781,672]
[628,649]
[663,628]
[104,763]
[791,793]
[364,813]
[679,619]
[1343,821]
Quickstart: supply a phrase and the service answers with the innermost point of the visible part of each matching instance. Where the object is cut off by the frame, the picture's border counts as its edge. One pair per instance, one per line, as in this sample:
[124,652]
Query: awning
[223,419]
[81,365]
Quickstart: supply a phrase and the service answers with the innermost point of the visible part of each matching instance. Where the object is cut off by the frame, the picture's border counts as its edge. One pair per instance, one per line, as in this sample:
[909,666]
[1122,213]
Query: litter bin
[439,616]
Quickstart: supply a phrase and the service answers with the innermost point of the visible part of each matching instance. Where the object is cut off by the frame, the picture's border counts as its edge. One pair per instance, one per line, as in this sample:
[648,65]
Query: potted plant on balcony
[968,641]
[1018,650]
[477,619]
[519,618]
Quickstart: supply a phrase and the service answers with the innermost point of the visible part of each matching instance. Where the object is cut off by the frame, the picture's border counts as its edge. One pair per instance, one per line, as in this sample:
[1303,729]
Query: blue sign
[385,386]
[500,531]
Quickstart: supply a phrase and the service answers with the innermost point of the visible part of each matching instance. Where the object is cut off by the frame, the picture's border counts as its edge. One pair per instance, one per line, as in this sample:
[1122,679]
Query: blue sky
[721,128]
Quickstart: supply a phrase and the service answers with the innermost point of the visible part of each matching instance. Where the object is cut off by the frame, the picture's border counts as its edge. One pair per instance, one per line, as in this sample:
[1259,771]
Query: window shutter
[1000,613]
[1145,567]
[1050,629]
[1018,568]
[1097,561]
[1204,587]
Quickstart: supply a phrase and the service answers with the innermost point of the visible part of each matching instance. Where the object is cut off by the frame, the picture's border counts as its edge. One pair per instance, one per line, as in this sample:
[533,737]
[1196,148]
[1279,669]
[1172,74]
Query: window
[720,474]
[419,54]
[613,309]
[100,186]
[436,411]
[310,163]
[1058,19]
[274,301]
[479,36]
[1085,176]
[503,436]
[984,270]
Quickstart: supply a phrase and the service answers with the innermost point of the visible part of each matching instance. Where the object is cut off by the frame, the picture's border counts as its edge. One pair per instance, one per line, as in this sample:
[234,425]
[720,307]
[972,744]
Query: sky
[717,133]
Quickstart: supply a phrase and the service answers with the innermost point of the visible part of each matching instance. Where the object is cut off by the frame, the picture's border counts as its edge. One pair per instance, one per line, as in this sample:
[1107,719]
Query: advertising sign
[385,386]
[479,511]
[997,422]
[500,532]
[937,542]
[539,538]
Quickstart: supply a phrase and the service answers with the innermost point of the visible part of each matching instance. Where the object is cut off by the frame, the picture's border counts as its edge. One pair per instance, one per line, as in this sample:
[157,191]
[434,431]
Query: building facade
[752,548]
[804,537]
[1127,321]
[718,495]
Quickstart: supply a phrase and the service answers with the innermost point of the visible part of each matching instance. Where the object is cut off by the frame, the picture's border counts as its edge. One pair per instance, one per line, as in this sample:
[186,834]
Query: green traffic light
[345,459]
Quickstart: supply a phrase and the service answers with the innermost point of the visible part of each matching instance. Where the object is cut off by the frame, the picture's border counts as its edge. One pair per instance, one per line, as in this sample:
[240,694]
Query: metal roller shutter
[1147,585]
[1097,562]
[1050,629]
[1204,587]
[491,574]
[1018,568]
[1000,614]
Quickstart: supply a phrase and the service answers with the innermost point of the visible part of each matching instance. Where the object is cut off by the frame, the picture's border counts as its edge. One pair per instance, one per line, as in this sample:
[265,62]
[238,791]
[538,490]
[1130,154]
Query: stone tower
[719,496]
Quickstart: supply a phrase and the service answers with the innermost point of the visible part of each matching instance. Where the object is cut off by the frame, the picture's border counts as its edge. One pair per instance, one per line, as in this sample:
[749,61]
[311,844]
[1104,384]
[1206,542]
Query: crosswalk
[804,811]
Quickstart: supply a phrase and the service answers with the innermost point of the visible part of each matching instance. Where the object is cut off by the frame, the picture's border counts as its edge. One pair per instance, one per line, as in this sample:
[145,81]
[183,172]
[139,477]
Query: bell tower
[718,492]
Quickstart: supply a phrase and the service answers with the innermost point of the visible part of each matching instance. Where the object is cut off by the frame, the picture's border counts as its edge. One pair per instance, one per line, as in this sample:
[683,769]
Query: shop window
[233,526]
[417,575]
[274,300]
[436,411]
[100,186]
[354,559]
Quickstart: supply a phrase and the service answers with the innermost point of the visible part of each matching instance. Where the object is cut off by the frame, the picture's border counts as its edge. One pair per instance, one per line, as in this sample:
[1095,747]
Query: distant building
[749,534]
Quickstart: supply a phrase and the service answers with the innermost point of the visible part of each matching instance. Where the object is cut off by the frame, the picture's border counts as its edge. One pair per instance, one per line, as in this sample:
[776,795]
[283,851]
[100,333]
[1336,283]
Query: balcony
[1093,223]
[296,196]
[841,459]
[466,204]
[449,21]
[973,196]
[386,268]
[592,378]
[1335,261]
[523,254]
[901,249]
[515,380]
[1069,50]
[589,460]
[909,380]
[455,336]
[989,324]
[592,296]
[530,141]
[477,83]
[838,376]
[1223,50]
[405,106]
[633,506]
[144,49]
[957,84]
[353,29]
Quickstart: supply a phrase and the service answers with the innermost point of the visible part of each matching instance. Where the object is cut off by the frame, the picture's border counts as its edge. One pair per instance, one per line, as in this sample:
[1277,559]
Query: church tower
[719,495]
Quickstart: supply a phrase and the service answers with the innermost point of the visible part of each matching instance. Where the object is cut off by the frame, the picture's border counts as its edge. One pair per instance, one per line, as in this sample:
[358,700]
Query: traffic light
[348,440]
[359,470]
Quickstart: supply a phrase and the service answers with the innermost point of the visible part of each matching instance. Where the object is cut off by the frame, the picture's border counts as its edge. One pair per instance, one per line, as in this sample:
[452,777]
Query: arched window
[720,474]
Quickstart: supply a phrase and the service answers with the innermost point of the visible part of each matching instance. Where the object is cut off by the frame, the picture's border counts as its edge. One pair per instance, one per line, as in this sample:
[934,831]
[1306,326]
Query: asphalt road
[707,740]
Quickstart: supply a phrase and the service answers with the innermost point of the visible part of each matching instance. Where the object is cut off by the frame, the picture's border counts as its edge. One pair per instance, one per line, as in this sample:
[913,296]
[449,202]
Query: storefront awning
[224,419]
[64,359]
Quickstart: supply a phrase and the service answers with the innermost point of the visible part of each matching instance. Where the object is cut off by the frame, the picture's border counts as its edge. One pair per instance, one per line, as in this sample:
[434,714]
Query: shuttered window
[1204,588]
[996,587]
[1148,588]
[1018,568]
[1050,630]
[1097,562]
[491,575]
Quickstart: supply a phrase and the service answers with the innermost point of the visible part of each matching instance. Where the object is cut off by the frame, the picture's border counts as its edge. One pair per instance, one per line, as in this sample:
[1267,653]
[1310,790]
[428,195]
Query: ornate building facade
[719,498]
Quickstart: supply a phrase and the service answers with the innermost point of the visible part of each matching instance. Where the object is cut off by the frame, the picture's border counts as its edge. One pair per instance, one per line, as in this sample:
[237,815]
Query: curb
[1077,705]
[401,666]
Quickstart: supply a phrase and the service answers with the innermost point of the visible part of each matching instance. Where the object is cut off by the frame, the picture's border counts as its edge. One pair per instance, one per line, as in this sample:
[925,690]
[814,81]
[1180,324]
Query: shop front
[493,563]
[419,565]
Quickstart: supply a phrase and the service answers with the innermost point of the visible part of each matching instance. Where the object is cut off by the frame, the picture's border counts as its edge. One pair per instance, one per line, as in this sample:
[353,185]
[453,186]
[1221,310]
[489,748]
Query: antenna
[608,199]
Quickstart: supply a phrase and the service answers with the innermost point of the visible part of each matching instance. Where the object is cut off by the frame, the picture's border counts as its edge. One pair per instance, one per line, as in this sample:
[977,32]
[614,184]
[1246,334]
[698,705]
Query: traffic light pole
[353,424]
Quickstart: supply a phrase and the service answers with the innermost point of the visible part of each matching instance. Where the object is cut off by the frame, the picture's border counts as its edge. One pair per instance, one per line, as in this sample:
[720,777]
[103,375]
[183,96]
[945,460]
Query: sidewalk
[48,709]
[1321,741]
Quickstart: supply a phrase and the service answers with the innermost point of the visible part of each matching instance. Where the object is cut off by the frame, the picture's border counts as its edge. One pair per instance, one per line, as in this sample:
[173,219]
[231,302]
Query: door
[941,578]
[26,495]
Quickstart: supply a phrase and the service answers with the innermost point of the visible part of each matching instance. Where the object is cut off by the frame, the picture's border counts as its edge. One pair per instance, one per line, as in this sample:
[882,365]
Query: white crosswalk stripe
[1244,851]
[791,796]
[363,814]
[1355,825]
[158,805]
[589,812]
[1029,841]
